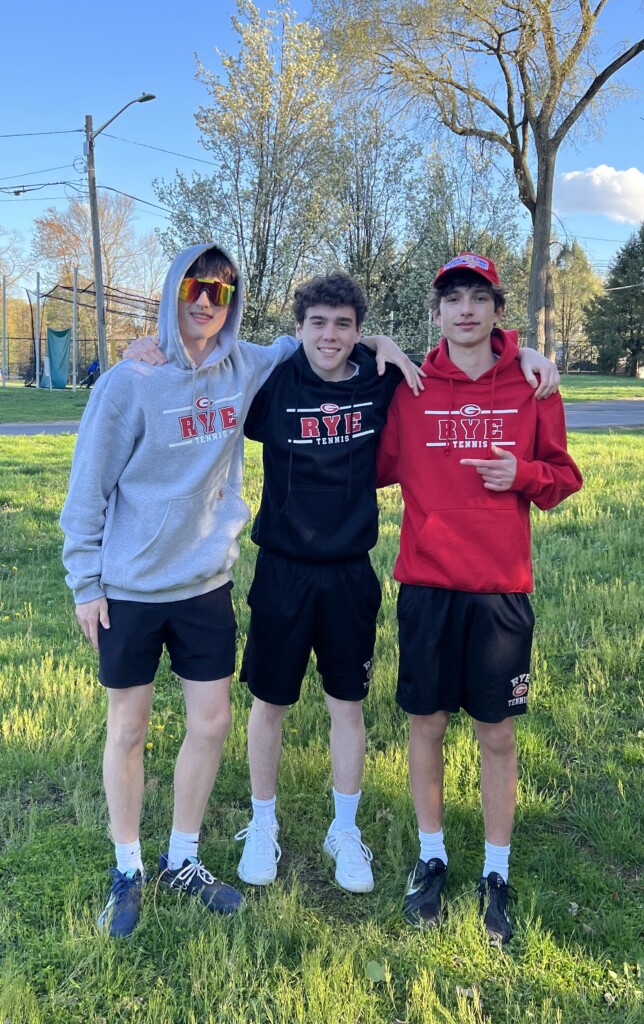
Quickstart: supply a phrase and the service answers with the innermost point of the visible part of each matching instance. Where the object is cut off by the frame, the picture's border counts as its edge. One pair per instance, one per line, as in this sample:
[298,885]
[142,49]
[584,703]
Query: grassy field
[19,404]
[303,951]
[591,388]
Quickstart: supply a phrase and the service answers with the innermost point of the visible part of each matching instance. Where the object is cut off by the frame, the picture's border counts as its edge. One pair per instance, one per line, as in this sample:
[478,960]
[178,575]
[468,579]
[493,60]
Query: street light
[88,150]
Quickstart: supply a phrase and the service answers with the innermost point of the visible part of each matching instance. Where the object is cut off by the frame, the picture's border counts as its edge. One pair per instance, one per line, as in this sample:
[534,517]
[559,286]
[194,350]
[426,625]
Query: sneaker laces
[187,873]
[352,847]
[262,839]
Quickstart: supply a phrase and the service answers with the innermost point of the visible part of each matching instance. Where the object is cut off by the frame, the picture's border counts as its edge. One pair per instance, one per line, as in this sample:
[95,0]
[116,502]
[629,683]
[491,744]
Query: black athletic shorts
[199,634]
[462,650]
[330,608]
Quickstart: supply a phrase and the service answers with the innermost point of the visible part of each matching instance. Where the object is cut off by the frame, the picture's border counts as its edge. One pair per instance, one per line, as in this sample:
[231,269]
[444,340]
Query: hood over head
[171,343]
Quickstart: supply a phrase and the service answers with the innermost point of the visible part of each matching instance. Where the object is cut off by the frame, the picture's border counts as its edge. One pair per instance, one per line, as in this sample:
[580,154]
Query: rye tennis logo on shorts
[520,686]
[368,667]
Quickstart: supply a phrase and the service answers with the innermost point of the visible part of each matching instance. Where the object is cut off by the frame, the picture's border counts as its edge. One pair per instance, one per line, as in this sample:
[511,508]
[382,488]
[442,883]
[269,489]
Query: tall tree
[12,257]
[453,205]
[268,129]
[370,172]
[63,240]
[131,261]
[516,73]
[615,319]
[575,284]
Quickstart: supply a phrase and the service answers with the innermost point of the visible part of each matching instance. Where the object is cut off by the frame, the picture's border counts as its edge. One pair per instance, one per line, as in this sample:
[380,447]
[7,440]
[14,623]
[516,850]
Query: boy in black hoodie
[319,418]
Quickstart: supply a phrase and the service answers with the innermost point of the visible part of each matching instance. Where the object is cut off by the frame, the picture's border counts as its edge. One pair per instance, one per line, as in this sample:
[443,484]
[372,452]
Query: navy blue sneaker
[123,908]
[494,894]
[193,878]
[423,906]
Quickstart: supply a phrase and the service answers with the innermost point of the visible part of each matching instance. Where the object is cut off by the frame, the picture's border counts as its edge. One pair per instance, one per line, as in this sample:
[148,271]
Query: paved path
[61,427]
[624,412]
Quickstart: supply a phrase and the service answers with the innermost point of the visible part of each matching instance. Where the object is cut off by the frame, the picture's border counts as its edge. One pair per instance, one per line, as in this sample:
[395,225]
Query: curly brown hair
[336,289]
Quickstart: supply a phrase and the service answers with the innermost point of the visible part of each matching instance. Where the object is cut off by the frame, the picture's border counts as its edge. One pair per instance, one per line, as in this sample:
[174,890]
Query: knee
[211,729]
[268,714]
[429,728]
[128,734]
[497,740]
[349,716]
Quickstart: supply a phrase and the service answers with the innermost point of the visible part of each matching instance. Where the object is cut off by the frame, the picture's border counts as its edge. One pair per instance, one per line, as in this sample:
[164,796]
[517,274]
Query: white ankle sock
[182,845]
[346,808]
[128,856]
[497,858]
[432,844]
[264,811]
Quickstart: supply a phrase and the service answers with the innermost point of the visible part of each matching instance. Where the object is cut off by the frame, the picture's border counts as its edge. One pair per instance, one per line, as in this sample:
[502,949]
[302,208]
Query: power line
[132,142]
[43,170]
[135,198]
[24,135]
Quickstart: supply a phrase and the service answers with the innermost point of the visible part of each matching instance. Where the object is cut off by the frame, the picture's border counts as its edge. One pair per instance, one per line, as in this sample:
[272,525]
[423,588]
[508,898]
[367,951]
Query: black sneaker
[193,878]
[495,916]
[423,906]
[123,908]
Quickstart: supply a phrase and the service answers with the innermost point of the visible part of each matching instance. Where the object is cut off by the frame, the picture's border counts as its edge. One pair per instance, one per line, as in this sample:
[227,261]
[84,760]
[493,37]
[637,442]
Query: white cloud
[616,194]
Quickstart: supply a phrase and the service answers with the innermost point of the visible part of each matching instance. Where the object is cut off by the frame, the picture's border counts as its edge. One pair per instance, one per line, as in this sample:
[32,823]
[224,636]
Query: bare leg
[127,726]
[498,778]
[347,744]
[426,735]
[207,724]
[265,747]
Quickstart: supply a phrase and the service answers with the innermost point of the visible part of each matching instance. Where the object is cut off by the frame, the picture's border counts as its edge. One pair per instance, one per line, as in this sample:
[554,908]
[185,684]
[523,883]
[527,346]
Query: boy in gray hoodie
[151,522]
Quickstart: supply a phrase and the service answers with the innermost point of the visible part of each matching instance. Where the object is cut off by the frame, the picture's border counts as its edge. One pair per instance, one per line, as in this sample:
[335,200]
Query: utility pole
[96,247]
[90,135]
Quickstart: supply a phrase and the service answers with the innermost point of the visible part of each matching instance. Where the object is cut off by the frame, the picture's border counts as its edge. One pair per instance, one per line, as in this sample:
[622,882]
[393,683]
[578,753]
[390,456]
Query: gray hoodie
[154,506]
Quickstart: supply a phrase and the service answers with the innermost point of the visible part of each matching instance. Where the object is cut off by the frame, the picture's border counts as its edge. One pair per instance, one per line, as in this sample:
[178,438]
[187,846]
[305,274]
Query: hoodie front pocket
[197,540]
[476,549]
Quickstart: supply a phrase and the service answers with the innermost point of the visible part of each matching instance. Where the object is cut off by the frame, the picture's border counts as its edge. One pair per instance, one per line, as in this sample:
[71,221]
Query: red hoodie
[455,533]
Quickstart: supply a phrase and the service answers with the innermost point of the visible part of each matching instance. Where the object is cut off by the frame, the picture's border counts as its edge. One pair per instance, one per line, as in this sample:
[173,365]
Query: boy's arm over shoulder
[387,457]
[532,363]
[552,474]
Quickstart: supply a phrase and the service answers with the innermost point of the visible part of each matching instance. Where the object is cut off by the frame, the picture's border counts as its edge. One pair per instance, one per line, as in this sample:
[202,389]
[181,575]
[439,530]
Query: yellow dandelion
[149,746]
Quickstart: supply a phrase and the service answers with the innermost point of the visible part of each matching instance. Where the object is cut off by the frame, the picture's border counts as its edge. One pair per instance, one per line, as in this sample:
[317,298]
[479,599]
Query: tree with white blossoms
[519,74]
[267,128]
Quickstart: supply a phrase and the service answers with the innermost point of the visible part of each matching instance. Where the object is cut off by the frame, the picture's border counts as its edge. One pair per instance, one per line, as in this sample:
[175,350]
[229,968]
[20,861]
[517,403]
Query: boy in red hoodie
[470,454]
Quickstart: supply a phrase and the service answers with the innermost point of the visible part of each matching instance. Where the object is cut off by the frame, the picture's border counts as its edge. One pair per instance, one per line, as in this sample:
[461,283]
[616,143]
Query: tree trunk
[540,295]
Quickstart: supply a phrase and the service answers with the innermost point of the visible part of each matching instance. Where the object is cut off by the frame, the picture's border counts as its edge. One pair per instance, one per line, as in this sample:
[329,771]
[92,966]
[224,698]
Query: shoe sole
[348,885]
[256,879]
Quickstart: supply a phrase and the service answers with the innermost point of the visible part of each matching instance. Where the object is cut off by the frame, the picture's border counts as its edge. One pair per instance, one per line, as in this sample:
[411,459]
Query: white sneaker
[352,860]
[258,864]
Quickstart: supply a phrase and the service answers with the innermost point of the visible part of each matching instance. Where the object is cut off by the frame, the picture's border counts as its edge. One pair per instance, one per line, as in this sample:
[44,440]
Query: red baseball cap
[470,261]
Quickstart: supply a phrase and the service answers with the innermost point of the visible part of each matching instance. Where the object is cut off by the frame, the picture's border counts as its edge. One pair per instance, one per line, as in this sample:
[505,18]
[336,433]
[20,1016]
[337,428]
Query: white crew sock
[346,808]
[497,858]
[432,844]
[182,846]
[264,812]
[128,856]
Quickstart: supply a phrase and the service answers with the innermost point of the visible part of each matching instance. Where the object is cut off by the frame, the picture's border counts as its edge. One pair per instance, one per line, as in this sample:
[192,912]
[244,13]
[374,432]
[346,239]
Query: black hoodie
[319,495]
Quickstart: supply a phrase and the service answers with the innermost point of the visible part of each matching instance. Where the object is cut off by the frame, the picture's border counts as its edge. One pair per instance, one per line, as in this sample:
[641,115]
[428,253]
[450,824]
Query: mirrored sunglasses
[220,294]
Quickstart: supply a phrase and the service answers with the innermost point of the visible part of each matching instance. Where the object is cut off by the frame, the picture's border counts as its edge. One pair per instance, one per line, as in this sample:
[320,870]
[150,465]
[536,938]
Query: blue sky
[62,61]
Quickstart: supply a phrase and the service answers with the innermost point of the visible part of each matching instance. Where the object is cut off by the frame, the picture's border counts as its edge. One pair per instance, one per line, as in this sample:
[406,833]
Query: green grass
[589,388]
[19,404]
[303,951]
